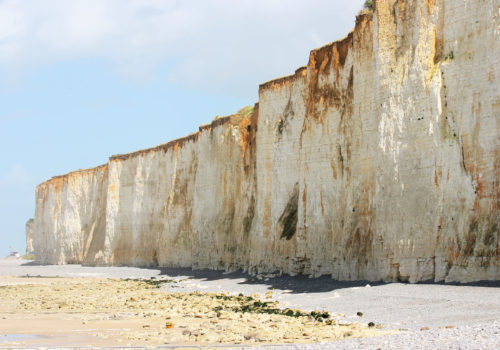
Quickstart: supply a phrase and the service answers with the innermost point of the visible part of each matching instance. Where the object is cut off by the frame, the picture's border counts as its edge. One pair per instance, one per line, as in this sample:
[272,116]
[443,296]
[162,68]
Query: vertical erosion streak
[288,220]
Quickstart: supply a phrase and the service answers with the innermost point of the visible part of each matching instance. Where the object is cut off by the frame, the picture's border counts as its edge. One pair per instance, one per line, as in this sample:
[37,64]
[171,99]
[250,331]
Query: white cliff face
[224,195]
[70,217]
[29,236]
[144,200]
[184,203]
[366,153]
[379,160]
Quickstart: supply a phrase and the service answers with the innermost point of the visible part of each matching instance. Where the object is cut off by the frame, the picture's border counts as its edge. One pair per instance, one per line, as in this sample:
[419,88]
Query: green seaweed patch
[248,304]
[152,281]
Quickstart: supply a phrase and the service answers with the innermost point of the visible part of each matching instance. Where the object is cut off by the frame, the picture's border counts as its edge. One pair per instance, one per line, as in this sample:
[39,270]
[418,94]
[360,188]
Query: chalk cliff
[379,160]
[29,236]
[70,217]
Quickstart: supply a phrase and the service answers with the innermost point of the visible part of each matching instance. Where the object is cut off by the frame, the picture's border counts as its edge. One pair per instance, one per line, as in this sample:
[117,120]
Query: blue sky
[81,80]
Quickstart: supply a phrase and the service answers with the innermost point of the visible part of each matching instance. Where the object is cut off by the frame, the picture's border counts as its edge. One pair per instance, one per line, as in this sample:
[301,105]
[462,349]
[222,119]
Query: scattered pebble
[479,336]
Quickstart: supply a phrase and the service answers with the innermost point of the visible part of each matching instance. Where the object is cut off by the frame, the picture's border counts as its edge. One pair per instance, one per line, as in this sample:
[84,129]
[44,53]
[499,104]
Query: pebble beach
[73,305]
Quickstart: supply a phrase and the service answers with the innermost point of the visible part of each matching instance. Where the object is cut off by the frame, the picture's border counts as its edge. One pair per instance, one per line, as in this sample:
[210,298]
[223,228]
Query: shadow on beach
[294,284]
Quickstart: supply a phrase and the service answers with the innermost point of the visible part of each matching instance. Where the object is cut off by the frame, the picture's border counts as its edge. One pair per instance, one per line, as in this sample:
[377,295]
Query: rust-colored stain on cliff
[57,182]
[337,131]
[248,127]
[326,60]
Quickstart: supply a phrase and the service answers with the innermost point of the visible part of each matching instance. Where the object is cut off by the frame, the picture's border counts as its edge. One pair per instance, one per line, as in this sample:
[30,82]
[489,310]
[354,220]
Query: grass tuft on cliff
[367,8]
[245,111]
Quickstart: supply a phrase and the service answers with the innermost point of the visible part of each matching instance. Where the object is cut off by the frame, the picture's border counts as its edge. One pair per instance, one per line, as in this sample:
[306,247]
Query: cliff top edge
[302,71]
[218,121]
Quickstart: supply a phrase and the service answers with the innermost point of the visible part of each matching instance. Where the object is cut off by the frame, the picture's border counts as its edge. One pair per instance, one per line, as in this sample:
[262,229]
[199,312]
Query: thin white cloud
[11,23]
[217,45]
[17,176]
